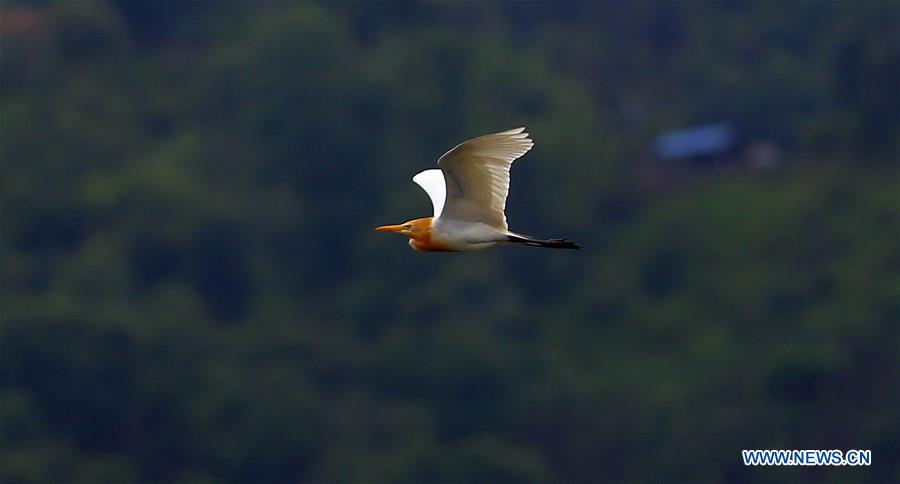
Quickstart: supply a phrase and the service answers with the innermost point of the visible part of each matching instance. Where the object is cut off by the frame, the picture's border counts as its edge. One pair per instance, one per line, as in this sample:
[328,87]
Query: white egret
[469,192]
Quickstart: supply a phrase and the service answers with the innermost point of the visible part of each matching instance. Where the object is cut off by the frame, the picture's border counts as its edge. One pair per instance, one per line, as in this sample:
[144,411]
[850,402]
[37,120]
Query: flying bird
[468,192]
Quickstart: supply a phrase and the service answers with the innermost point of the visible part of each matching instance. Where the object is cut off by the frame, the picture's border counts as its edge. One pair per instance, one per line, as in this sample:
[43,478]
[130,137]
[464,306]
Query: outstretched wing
[476,174]
[432,181]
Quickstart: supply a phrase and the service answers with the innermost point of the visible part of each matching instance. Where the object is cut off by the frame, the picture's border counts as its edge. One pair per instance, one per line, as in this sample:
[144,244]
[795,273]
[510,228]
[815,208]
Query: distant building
[690,153]
[698,147]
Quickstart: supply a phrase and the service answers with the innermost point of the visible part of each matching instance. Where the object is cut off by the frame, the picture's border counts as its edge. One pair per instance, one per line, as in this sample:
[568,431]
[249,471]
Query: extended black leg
[549,244]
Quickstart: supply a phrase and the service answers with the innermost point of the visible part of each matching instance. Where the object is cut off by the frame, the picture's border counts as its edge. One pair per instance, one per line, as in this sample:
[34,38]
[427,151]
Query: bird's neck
[422,238]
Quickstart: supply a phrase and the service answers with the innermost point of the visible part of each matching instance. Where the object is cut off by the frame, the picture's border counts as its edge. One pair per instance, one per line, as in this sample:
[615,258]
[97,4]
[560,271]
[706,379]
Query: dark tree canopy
[192,290]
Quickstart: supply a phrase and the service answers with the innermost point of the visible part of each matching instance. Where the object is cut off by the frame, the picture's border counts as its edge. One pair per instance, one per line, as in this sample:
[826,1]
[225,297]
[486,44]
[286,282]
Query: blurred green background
[192,290]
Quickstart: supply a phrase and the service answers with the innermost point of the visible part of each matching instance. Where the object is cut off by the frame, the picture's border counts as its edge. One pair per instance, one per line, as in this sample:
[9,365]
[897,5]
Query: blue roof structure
[705,140]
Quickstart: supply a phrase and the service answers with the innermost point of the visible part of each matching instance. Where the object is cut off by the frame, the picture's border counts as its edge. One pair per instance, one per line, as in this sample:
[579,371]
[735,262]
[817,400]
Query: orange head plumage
[419,233]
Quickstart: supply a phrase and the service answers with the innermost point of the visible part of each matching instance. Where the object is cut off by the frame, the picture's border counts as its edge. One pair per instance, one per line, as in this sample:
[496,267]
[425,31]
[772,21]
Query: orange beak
[391,228]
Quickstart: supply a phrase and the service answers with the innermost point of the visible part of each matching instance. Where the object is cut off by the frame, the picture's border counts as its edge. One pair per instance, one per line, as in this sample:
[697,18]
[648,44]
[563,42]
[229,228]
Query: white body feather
[466,236]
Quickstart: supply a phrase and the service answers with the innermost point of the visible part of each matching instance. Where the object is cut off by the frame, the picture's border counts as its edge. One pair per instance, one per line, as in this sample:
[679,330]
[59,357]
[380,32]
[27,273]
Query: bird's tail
[549,244]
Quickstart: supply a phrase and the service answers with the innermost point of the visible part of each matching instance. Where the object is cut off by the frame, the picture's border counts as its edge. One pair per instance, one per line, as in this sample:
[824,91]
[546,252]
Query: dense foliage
[192,290]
